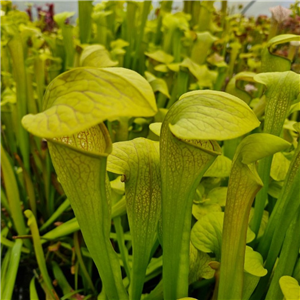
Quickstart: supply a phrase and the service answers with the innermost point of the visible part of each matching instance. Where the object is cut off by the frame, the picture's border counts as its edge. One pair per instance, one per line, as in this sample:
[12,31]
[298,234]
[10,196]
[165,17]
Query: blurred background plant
[176,50]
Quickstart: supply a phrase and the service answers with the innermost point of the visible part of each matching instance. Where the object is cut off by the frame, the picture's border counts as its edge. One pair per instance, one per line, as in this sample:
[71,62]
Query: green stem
[158,33]
[68,53]
[273,29]
[264,168]
[187,7]
[30,192]
[161,100]
[223,13]
[177,45]
[292,52]
[168,39]
[85,9]
[39,71]
[39,253]
[288,258]
[205,16]
[16,52]
[31,103]
[222,72]
[101,24]
[81,262]
[46,167]
[112,16]
[138,53]
[130,32]
[121,244]
[180,87]
[183,81]
[235,49]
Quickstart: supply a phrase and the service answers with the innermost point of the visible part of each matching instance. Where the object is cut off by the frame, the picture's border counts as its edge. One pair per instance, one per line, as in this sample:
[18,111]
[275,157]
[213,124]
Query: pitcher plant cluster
[150,154]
